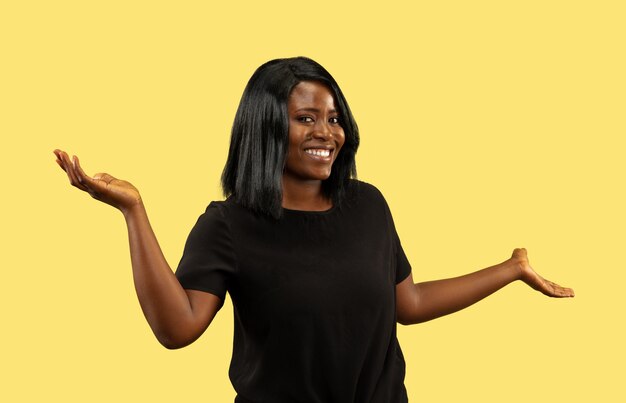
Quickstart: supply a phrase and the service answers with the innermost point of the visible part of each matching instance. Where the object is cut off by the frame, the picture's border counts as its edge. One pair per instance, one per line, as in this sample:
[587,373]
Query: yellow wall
[488,125]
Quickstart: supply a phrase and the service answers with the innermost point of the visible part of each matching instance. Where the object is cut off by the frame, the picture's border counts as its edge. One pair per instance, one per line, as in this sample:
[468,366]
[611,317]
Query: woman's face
[315,135]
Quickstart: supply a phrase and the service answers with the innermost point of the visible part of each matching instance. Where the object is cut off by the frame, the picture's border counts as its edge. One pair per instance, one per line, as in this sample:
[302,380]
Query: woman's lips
[320,154]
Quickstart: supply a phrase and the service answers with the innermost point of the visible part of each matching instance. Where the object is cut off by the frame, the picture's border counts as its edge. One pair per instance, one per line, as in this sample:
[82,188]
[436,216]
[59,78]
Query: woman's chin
[308,175]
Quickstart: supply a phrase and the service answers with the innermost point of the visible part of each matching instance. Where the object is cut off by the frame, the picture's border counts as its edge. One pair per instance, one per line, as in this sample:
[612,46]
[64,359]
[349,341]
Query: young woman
[308,254]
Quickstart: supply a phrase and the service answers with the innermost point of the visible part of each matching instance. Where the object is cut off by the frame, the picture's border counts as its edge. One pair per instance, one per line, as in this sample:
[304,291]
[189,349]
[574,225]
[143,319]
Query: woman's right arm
[177,316]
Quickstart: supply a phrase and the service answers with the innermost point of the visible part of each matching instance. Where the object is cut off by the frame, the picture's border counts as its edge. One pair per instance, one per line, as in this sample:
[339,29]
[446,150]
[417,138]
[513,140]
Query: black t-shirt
[313,296]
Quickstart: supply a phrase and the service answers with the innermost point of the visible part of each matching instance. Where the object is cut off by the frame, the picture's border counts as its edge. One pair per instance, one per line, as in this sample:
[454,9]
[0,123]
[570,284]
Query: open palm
[102,186]
[534,280]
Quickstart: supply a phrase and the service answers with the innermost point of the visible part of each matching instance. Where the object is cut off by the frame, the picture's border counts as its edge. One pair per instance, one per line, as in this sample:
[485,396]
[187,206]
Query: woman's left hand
[534,280]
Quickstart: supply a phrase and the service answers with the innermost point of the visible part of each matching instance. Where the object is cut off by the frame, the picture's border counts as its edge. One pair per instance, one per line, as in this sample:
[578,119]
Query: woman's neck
[304,195]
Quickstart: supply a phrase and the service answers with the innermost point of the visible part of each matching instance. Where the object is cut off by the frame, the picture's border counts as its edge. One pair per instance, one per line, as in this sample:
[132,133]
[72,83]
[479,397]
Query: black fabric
[313,296]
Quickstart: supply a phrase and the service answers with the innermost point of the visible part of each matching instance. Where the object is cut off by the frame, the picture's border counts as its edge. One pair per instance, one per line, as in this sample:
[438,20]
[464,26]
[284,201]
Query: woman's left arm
[421,302]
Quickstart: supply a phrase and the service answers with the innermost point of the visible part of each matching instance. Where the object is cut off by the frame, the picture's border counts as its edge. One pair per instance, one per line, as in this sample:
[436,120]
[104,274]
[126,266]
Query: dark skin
[178,316]
[314,131]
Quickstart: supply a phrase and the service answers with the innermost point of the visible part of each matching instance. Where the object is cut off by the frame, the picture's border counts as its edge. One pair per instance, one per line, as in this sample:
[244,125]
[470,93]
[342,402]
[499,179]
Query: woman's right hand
[177,316]
[102,186]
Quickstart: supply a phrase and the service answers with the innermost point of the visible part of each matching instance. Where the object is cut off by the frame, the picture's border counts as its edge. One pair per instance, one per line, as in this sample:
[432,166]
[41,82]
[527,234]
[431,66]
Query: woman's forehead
[311,93]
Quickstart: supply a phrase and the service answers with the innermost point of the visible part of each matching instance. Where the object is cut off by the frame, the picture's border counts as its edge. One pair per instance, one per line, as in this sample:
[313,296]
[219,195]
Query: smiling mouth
[319,152]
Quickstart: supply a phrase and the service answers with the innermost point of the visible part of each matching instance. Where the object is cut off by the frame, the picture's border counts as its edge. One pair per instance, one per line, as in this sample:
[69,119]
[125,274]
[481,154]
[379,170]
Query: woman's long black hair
[260,137]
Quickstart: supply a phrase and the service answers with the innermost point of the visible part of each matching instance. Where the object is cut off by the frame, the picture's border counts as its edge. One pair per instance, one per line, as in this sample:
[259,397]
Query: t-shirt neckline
[311,212]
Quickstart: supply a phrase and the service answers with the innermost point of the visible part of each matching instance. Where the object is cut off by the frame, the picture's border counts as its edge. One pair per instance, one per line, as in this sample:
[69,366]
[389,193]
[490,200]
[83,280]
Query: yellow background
[488,125]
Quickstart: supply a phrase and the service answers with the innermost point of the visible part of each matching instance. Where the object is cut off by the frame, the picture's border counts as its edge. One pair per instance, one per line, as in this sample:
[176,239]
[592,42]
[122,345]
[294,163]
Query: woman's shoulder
[215,207]
[214,212]
[362,194]
[364,189]
[232,210]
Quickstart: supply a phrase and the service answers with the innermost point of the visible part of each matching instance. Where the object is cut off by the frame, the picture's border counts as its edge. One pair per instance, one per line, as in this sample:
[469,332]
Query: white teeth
[318,152]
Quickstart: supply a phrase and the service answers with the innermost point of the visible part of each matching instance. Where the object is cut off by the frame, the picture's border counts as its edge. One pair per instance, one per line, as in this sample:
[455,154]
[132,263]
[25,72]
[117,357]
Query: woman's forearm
[442,297]
[177,316]
[163,300]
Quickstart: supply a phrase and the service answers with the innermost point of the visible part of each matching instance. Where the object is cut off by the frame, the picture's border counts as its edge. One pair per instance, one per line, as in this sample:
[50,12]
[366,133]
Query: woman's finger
[563,292]
[556,290]
[94,185]
[57,153]
[79,170]
[58,160]
[60,164]
[82,177]
[71,173]
[77,182]
[66,166]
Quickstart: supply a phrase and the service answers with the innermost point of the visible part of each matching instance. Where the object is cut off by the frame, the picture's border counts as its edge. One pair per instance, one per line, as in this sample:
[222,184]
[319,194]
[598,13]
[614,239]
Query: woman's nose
[323,131]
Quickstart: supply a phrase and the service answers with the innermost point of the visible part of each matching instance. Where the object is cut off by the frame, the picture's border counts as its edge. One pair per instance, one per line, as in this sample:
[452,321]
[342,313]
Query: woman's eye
[305,119]
[334,120]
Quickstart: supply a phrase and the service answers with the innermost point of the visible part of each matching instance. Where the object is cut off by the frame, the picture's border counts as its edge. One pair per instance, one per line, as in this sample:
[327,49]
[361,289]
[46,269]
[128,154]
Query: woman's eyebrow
[314,110]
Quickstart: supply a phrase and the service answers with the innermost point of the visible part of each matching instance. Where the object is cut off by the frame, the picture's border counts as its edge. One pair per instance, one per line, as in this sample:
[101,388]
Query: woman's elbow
[175,339]
[173,343]
[408,322]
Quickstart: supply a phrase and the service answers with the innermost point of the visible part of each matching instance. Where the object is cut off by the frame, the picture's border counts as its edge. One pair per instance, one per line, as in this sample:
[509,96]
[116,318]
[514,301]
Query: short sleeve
[208,261]
[403,267]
